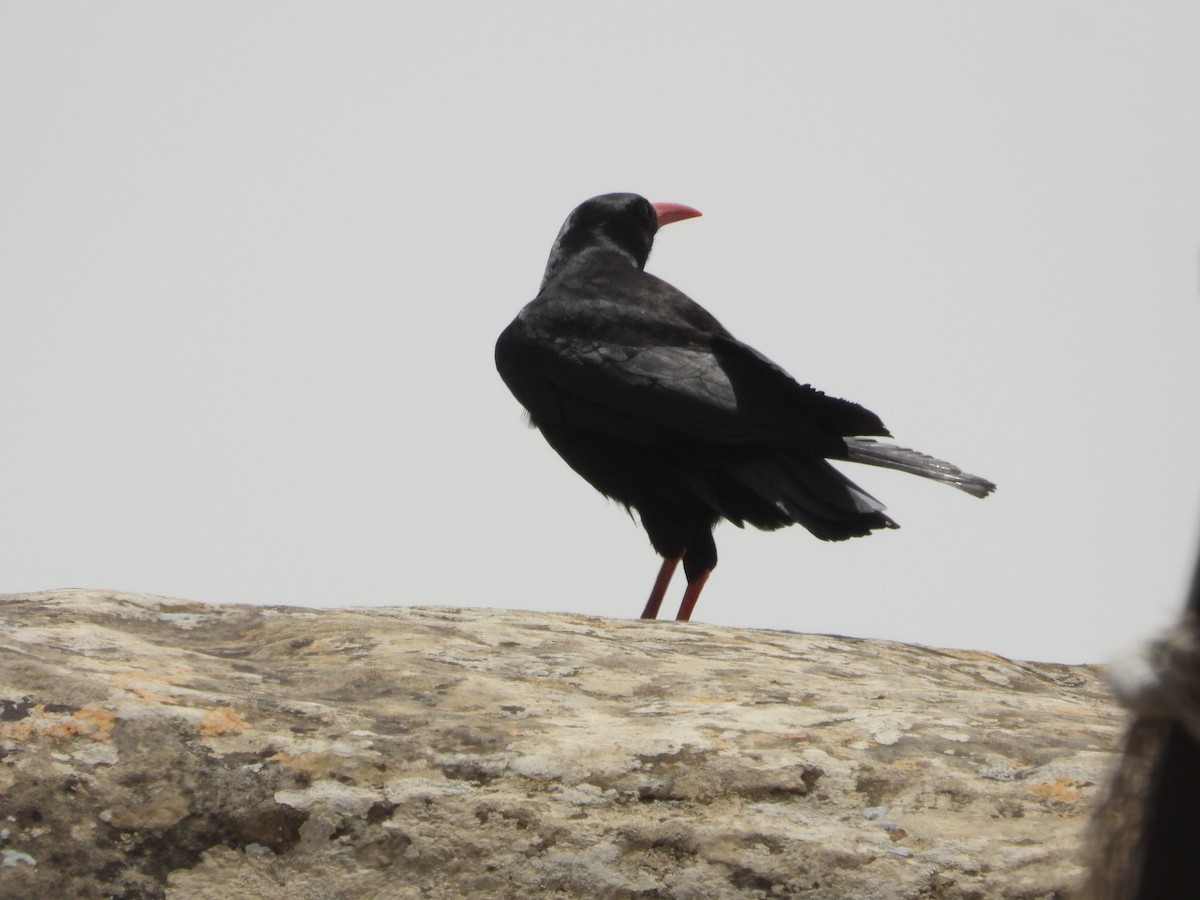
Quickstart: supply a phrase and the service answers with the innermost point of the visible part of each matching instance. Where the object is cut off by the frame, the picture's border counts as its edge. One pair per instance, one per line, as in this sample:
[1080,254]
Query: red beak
[673,212]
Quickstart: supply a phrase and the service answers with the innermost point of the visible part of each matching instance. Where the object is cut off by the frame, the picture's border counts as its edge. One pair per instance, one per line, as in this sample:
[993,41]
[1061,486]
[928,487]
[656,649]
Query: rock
[160,748]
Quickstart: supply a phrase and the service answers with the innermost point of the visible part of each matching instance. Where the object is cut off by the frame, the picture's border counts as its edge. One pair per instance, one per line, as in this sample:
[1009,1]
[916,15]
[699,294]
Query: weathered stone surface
[154,748]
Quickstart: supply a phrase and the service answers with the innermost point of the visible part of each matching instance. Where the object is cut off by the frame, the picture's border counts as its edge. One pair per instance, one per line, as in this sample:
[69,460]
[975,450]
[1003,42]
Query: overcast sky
[256,256]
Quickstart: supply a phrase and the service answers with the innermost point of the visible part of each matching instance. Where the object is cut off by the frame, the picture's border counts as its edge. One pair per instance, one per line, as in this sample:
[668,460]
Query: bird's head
[624,223]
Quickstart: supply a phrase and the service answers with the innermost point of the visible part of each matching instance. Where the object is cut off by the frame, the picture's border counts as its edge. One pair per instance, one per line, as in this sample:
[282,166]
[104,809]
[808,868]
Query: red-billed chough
[651,400]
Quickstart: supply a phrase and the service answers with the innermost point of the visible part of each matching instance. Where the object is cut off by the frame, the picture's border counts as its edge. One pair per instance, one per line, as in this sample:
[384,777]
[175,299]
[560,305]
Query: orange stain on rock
[1064,790]
[222,720]
[87,722]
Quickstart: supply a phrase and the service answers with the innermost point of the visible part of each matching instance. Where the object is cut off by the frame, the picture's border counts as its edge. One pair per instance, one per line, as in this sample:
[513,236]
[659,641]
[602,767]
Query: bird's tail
[889,456]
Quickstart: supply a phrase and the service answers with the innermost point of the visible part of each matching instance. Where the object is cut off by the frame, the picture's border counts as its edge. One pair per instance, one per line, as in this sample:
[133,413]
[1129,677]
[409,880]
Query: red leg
[660,587]
[691,595]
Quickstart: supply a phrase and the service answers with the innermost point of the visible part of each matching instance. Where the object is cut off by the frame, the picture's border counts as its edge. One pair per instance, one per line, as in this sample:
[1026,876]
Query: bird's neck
[600,254]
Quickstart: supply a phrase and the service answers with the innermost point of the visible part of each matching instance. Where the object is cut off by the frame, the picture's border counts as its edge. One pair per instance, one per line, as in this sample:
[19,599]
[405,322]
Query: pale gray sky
[256,257]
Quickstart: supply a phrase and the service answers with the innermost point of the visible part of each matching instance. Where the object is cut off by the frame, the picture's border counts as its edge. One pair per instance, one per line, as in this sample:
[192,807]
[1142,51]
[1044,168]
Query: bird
[651,400]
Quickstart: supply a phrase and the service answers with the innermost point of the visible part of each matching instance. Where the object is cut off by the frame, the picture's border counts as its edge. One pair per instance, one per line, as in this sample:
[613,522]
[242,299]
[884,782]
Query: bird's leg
[699,559]
[691,595]
[660,587]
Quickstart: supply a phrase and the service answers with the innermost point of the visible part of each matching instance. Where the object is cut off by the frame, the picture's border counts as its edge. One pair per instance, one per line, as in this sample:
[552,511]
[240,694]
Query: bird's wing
[717,390]
[638,393]
[772,393]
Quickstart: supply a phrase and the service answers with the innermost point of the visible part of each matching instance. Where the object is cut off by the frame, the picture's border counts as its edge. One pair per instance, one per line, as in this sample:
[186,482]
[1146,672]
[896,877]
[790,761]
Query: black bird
[658,407]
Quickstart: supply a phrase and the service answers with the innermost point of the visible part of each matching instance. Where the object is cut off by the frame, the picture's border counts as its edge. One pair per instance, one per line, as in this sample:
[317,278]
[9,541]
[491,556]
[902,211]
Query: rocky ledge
[161,748]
